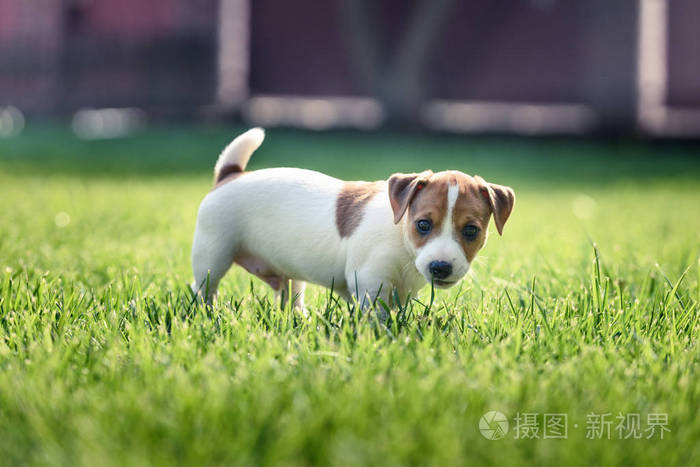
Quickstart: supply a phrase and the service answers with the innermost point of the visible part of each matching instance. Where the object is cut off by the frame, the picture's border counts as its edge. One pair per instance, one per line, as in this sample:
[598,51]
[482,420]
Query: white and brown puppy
[363,238]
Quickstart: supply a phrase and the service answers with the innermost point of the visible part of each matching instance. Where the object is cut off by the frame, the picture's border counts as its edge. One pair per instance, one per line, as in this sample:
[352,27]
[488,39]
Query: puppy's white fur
[280,224]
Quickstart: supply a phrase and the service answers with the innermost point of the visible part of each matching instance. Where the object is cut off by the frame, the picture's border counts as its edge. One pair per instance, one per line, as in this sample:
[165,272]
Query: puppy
[290,226]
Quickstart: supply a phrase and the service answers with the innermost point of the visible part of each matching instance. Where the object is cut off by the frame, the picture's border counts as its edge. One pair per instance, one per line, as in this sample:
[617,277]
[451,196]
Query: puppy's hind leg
[212,257]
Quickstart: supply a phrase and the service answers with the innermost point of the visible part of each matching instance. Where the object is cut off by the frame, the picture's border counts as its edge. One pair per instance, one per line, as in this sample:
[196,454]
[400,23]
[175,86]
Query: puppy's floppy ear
[402,189]
[501,200]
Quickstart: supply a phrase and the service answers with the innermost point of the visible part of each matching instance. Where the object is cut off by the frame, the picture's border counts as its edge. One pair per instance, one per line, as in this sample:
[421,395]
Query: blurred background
[109,68]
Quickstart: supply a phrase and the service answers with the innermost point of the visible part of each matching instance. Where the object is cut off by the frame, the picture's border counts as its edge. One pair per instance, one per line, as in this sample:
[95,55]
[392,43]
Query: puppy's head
[445,218]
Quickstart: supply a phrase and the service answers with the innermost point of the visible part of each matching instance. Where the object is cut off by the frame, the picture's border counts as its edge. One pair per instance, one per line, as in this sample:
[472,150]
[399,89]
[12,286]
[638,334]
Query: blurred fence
[528,66]
[57,56]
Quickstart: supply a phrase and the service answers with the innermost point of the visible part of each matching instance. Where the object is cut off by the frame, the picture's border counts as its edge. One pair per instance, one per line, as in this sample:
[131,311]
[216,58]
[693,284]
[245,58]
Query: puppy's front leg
[296,289]
[367,289]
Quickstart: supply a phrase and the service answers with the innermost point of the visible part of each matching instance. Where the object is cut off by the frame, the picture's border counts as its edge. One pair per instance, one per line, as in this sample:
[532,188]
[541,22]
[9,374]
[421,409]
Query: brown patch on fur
[501,199]
[430,202]
[471,208]
[350,204]
[403,188]
[227,170]
[228,173]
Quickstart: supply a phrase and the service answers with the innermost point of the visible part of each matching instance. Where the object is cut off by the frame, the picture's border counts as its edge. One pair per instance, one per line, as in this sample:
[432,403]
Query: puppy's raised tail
[236,155]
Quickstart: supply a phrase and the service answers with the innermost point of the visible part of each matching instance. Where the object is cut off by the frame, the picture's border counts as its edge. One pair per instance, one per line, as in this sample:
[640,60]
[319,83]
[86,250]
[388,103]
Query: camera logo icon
[493,425]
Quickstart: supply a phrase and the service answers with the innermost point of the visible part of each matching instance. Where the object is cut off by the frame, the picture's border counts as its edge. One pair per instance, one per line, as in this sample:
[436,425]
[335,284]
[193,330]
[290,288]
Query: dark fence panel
[406,52]
[98,72]
[31,44]
[300,48]
[59,56]
[511,51]
[684,62]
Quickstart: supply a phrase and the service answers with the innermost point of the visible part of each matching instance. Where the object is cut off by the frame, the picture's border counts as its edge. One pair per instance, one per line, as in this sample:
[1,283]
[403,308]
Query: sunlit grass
[587,304]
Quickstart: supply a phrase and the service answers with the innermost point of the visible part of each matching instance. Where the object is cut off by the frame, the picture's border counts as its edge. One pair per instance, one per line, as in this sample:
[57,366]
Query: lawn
[584,316]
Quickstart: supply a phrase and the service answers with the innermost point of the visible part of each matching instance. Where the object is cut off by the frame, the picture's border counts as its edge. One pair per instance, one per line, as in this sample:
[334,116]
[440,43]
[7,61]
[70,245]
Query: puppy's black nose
[440,269]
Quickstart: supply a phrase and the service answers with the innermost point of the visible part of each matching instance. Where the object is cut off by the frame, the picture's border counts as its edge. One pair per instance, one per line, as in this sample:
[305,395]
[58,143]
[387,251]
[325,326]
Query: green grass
[104,359]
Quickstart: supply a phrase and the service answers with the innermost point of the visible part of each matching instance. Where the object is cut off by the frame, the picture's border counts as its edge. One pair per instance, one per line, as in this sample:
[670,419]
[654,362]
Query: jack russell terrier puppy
[364,239]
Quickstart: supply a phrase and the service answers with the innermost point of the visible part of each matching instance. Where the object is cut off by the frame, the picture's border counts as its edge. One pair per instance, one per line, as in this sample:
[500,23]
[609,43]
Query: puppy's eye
[470,231]
[424,226]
